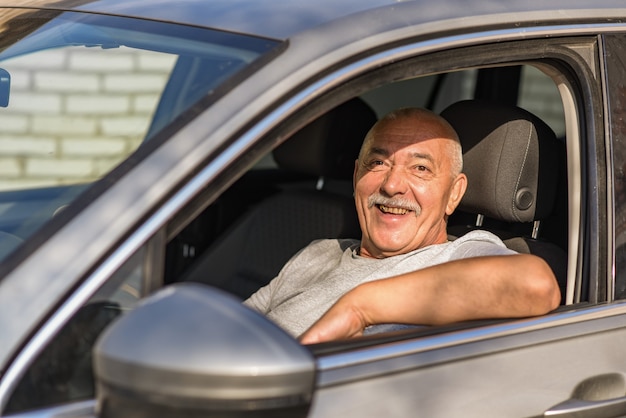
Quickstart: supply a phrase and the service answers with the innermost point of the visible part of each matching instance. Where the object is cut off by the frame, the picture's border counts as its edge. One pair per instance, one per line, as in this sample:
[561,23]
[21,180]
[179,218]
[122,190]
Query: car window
[207,250]
[539,95]
[62,372]
[434,92]
[80,93]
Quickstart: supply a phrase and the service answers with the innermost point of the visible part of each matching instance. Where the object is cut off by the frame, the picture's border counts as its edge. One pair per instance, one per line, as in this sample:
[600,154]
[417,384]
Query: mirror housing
[5,87]
[191,350]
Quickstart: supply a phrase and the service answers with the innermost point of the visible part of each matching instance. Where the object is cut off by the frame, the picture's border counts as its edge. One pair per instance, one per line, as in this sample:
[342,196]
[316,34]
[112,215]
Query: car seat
[252,252]
[511,159]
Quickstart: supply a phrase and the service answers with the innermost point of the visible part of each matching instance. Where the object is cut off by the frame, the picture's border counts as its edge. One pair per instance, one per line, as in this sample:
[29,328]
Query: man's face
[404,187]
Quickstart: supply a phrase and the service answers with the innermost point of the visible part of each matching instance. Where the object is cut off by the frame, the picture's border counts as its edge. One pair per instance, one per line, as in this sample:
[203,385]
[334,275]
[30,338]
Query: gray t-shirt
[312,281]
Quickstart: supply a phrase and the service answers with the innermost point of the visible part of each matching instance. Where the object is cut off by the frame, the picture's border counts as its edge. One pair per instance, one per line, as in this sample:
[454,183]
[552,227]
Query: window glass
[434,92]
[63,372]
[539,95]
[80,93]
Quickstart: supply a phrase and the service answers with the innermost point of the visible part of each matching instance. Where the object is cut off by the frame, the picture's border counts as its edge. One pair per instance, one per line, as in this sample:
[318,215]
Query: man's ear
[356,169]
[459,185]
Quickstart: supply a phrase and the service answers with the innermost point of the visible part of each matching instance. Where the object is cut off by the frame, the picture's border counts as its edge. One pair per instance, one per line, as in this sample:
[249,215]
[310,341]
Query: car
[160,162]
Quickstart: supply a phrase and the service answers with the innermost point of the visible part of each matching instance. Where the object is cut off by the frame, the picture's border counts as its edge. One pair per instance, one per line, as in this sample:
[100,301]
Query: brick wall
[75,113]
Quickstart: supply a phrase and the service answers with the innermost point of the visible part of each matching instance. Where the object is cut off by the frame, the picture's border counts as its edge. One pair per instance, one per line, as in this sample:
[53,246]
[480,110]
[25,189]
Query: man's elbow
[544,289]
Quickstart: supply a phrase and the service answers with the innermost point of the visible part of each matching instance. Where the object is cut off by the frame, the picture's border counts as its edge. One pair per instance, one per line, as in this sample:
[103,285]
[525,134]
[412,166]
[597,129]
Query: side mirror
[5,87]
[191,350]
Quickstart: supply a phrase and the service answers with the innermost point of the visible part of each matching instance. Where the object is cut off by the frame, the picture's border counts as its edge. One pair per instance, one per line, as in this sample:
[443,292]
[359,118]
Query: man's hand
[343,320]
[511,286]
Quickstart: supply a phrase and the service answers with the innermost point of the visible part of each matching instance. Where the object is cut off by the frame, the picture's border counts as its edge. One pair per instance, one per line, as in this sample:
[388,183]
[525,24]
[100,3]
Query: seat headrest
[510,158]
[329,145]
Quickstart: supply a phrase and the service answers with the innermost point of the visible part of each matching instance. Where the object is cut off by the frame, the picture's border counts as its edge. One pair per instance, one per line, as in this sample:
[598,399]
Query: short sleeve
[261,300]
[478,244]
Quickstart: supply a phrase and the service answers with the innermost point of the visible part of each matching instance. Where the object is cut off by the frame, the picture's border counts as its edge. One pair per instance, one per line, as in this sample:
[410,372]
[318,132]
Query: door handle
[602,396]
[576,408]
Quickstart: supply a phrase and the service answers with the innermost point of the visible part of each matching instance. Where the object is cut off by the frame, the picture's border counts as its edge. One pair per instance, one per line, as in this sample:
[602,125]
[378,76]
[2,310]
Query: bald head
[431,125]
[407,181]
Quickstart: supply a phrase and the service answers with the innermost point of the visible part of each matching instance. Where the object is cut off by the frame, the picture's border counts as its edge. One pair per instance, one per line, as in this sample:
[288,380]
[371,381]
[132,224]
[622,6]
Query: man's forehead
[407,129]
[412,144]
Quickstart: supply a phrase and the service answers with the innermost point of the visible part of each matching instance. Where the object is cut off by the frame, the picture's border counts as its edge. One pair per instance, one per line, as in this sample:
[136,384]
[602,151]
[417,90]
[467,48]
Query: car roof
[281,19]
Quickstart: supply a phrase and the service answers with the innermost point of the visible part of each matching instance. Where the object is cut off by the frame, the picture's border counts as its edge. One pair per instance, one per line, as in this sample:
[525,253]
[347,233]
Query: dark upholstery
[329,145]
[511,159]
[251,253]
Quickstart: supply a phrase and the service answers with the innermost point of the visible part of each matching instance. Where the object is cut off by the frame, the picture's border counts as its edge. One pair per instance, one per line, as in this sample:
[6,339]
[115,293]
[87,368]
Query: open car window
[287,200]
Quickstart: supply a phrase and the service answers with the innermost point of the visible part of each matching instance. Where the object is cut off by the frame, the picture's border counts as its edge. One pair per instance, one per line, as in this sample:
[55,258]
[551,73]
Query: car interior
[517,189]
[512,161]
[272,230]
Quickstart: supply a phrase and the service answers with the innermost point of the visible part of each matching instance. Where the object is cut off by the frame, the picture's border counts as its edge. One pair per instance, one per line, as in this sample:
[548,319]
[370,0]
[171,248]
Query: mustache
[398,202]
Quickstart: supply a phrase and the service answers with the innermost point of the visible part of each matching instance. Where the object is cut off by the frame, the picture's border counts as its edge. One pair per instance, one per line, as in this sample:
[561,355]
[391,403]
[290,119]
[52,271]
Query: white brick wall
[83,104]
[94,147]
[75,113]
[10,168]
[24,145]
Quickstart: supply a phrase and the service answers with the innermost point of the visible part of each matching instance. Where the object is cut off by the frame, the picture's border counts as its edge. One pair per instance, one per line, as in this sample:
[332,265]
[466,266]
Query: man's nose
[394,182]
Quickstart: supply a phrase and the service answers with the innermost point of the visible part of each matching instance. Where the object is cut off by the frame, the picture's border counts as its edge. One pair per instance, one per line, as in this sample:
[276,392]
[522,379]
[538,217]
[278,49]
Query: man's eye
[422,170]
[375,164]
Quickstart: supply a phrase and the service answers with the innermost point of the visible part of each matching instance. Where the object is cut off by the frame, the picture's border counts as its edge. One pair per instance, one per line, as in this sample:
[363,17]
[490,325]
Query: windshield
[79,93]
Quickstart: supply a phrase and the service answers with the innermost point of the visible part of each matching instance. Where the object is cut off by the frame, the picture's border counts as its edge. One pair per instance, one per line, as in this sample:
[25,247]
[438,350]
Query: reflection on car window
[63,371]
[79,94]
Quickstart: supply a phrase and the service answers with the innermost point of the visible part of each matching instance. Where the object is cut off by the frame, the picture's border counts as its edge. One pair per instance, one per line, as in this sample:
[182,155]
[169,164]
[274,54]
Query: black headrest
[329,145]
[510,158]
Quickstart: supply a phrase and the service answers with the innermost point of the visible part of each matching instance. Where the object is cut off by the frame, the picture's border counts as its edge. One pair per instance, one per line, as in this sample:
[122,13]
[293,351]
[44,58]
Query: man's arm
[510,286]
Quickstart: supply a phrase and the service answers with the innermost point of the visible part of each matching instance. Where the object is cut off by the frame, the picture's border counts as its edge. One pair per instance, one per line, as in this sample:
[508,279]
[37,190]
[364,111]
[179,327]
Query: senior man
[407,182]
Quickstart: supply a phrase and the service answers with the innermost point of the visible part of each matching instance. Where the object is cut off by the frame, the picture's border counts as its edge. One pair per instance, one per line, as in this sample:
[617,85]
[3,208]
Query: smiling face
[407,182]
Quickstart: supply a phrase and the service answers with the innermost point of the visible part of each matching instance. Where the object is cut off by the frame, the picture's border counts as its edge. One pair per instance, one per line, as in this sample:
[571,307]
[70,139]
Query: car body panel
[522,375]
[275,19]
